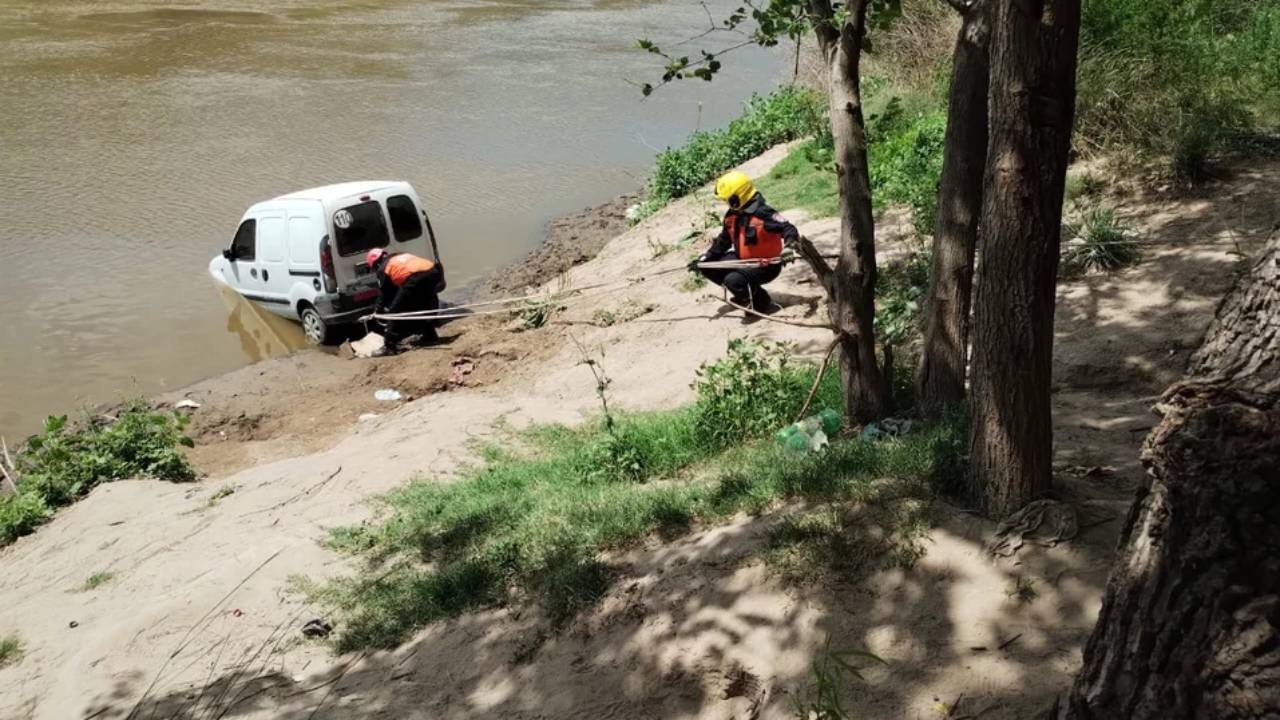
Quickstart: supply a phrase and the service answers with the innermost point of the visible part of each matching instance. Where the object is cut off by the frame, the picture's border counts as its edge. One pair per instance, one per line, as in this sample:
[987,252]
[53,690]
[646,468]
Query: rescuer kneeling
[752,232]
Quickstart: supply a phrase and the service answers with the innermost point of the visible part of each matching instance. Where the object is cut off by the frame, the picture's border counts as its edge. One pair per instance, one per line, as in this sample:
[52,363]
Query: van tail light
[326,266]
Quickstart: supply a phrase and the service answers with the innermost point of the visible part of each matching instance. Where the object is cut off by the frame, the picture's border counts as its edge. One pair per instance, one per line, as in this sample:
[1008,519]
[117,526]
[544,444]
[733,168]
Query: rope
[453,312]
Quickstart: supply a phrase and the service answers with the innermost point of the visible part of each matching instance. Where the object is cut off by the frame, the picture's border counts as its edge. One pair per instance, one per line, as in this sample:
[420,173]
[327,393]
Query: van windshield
[359,228]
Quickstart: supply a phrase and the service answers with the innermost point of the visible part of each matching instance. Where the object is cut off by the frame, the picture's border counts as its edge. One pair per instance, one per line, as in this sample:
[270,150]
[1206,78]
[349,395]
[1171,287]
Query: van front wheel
[313,325]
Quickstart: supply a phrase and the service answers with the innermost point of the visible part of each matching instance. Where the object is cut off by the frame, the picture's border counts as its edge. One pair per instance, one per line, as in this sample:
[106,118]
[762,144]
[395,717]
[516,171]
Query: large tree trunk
[851,285]
[1190,624]
[940,378]
[1032,103]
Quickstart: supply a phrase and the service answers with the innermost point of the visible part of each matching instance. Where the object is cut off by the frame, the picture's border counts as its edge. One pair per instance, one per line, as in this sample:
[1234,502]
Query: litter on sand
[387,395]
[368,346]
[187,404]
[889,427]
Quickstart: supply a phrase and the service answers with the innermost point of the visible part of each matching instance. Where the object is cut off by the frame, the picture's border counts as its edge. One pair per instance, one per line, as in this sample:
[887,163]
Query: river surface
[134,134]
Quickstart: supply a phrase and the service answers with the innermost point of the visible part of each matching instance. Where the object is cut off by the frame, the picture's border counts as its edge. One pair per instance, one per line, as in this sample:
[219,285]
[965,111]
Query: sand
[199,620]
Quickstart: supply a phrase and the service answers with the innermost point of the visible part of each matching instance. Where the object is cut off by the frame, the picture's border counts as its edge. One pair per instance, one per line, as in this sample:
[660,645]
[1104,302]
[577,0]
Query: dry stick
[5,465]
[186,639]
[818,380]
[297,496]
[1009,642]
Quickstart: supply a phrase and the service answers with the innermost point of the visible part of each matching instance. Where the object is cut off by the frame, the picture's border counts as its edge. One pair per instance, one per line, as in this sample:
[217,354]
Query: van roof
[326,193]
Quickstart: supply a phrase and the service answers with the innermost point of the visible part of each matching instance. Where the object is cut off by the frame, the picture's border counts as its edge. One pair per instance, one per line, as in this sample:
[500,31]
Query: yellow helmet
[735,188]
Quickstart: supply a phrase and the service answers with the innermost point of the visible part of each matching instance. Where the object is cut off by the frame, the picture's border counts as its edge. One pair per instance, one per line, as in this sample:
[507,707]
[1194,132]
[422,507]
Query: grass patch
[95,581]
[11,650]
[66,461]
[530,521]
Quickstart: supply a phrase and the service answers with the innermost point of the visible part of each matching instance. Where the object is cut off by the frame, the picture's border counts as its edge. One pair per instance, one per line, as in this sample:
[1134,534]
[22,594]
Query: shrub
[63,463]
[898,292]
[752,391]
[1099,241]
[786,114]
[904,157]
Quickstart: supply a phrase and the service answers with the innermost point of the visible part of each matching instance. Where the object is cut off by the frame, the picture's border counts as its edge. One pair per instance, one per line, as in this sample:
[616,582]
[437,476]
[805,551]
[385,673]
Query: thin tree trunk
[944,356]
[1190,624]
[1032,102]
[851,293]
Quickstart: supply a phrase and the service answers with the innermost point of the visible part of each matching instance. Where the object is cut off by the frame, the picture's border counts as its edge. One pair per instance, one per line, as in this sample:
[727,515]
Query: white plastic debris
[387,395]
[367,417]
[187,404]
[370,345]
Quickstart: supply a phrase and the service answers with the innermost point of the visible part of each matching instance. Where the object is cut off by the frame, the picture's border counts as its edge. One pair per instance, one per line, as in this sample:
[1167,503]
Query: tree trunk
[851,284]
[1190,624]
[944,356]
[1031,108]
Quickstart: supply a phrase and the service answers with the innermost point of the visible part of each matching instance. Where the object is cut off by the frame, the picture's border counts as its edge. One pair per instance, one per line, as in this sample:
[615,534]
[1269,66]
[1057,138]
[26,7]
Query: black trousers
[745,285]
[418,293]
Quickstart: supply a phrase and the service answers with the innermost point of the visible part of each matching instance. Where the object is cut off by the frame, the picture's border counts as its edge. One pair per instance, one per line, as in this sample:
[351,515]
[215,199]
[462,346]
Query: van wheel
[313,325]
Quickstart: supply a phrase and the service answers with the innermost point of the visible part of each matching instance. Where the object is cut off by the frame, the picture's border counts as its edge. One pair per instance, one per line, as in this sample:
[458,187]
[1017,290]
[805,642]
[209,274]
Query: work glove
[693,264]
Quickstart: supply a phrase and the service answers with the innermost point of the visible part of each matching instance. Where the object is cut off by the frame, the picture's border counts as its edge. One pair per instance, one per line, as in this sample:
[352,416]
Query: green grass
[11,650]
[96,581]
[529,522]
[804,179]
[66,461]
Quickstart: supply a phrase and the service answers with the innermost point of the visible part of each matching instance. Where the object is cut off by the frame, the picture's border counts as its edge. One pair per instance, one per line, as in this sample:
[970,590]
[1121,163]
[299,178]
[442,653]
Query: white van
[301,255]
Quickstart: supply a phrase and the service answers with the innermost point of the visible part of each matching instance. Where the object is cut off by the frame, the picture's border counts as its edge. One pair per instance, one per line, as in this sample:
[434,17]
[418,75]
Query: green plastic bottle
[830,421]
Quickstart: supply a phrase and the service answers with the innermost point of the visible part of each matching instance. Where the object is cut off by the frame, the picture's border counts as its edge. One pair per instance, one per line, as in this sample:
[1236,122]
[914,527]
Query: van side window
[243,246]
[405,222]
[271,238]
[359,228]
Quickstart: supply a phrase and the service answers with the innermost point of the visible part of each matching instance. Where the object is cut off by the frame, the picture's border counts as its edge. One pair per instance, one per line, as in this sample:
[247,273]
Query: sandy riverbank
[694,628]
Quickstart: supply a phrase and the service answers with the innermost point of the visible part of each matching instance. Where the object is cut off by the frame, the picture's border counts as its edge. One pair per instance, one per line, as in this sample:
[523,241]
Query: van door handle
[253,273]
[266,276]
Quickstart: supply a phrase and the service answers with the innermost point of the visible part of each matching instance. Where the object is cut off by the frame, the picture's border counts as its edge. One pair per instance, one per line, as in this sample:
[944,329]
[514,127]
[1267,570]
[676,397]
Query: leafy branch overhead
[764,25]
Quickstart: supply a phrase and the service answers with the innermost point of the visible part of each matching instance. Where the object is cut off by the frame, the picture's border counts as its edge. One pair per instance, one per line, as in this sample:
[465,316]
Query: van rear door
[358,227]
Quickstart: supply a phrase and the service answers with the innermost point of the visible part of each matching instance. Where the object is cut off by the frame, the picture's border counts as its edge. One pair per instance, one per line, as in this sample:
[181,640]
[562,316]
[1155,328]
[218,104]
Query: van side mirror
[229,253]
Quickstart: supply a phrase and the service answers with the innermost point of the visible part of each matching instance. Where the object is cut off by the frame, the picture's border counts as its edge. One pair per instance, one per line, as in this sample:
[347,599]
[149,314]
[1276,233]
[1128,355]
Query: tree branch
[819,265]
[824,23]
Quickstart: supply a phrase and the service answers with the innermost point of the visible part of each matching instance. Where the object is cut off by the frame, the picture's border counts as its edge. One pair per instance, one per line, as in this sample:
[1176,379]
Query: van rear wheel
[313,326]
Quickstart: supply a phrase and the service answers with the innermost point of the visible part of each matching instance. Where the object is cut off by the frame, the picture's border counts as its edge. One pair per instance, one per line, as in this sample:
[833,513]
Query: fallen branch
[817,380]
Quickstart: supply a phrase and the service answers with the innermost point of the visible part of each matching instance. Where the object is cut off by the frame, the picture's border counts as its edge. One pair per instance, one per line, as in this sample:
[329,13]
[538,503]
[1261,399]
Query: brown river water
[134,134]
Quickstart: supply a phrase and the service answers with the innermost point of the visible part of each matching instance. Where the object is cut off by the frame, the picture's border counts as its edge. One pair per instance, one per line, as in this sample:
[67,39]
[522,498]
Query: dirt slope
[198,618]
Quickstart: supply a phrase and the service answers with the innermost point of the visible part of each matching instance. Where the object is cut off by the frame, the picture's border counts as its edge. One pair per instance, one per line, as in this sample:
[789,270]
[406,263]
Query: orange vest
[401,266]
[750,238]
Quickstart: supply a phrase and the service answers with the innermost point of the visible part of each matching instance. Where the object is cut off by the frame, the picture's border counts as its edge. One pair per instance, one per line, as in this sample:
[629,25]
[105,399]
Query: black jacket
[723,244]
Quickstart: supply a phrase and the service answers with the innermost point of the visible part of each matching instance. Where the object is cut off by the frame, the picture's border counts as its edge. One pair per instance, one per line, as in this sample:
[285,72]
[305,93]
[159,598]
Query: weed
[692,282]
[63,463]
[11,649]
[1082,186]
[830,672]
[898,293]
[630,310]
[1099,241]
[1023,590]
[222,492]
[96,581]
[534,313]
[658,248]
